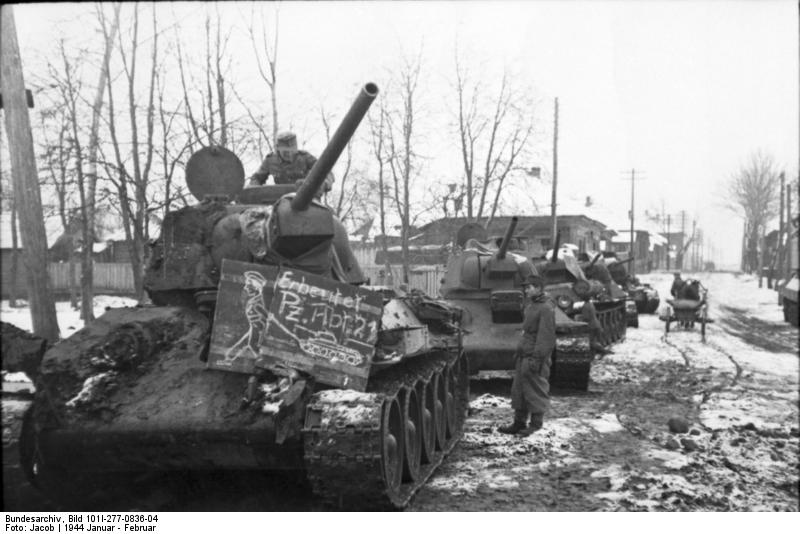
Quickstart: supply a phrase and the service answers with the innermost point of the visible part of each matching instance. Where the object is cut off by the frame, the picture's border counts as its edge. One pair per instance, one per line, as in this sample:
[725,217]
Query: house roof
[52,228]
[527,223]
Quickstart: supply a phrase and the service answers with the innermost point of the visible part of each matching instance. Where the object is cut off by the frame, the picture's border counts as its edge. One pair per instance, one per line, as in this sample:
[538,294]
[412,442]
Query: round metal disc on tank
[214,171]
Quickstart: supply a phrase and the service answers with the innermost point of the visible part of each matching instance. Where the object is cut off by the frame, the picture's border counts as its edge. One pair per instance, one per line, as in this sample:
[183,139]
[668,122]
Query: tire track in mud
[687,351]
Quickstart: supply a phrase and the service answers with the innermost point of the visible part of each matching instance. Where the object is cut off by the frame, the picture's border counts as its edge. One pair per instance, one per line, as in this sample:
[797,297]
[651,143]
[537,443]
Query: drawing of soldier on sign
[257,316]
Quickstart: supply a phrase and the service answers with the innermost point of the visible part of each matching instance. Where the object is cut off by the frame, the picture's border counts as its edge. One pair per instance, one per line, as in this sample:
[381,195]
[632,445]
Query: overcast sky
[681,91]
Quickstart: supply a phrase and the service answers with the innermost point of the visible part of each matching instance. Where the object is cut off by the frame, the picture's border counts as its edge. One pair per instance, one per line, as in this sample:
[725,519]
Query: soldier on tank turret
[287,165]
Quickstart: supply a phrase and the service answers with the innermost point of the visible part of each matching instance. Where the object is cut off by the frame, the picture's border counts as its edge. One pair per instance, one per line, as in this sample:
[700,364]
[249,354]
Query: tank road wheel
[412,435]
[450,402]
[462,399]
[427,400]
[439,413]
[392,457]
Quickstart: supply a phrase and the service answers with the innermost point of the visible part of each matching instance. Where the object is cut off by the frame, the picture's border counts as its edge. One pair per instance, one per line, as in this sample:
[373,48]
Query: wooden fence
[117,278]
[114,278]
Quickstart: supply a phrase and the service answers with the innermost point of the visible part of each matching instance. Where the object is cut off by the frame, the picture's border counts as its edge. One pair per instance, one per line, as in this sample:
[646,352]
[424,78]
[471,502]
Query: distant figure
[287,165]
[677,284]
[691,290]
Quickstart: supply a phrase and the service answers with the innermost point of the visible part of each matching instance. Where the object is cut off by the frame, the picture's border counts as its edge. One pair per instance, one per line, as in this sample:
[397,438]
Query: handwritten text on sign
[324,323]
[267,317]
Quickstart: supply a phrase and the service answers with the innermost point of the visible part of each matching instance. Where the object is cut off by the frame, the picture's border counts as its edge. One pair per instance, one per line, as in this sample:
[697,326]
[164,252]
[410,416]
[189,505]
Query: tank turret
[264,224]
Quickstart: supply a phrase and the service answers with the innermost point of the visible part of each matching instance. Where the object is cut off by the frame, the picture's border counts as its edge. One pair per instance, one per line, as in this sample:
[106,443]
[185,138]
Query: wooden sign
[268,317]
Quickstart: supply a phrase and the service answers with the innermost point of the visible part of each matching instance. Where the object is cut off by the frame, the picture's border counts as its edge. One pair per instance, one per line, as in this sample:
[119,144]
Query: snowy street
[610,448]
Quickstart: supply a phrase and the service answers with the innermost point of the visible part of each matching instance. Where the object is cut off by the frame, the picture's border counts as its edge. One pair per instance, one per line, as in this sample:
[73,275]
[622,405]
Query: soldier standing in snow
[530,391]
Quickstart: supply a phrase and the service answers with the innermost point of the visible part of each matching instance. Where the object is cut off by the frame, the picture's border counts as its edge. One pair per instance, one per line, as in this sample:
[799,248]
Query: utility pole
[781,274]
[679,259]
[633,235]
[788,266]
[554,221]
[631,217]
[24,178]
[669,220]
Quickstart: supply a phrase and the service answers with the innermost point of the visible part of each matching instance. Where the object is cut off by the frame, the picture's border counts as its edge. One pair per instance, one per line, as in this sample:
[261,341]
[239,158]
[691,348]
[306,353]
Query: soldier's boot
[537,420]
[520,417]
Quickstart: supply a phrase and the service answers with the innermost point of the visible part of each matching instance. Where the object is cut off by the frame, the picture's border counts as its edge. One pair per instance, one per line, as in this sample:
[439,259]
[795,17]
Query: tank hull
[491,346]
[120,405]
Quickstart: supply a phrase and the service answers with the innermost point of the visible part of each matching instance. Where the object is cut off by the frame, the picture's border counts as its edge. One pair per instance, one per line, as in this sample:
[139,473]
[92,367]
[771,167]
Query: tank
[262,351]
[788,288]
[644,295]
[484,280]
[787,294]
[583,299]
[598,270]
[22,353]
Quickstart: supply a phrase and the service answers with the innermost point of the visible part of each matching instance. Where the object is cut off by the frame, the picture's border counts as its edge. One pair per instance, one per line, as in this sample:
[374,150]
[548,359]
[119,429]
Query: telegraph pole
[669,220]
[24,178]
[633,178]
[679,259]
[633,263]
[780,229]
[554,220]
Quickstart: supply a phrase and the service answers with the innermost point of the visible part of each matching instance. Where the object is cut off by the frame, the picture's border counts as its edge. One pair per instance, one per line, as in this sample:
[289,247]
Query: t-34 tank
[644,295]
[583,299]
[597,270]
[260,352]
[485,281]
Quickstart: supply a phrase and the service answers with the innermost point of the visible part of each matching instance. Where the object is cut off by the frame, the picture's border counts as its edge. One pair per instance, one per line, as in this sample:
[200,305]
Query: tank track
[375,450]
[614,322]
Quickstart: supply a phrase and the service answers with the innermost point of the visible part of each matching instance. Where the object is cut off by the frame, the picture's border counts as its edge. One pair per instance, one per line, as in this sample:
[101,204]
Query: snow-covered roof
[624,236]
[52,228]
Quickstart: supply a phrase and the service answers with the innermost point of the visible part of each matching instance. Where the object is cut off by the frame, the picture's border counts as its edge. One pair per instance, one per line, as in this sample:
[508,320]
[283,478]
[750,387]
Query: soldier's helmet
[286,144]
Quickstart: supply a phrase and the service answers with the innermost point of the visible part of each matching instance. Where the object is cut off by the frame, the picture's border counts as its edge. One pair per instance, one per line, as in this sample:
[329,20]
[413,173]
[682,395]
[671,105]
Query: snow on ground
[611,449]
[69,320]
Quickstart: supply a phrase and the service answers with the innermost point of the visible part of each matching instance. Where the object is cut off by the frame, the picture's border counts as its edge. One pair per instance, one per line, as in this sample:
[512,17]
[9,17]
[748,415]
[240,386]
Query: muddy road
[612,449]
[608,449]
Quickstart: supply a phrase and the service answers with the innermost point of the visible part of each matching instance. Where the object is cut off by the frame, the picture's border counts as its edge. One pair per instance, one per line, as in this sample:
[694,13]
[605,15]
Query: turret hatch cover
[214,171]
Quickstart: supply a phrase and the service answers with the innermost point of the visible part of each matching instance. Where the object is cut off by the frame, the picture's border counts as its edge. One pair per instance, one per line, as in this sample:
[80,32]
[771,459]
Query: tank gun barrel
[318,173]
[596,257]
[501,252]
[623,262]
[556,247]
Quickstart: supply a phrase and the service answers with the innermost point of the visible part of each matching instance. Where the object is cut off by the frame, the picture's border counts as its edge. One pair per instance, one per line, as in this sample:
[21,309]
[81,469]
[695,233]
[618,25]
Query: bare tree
[268,64]
[133,186]
[377,128]
[56,155]
[403,160]
[752,194]
[498,139]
